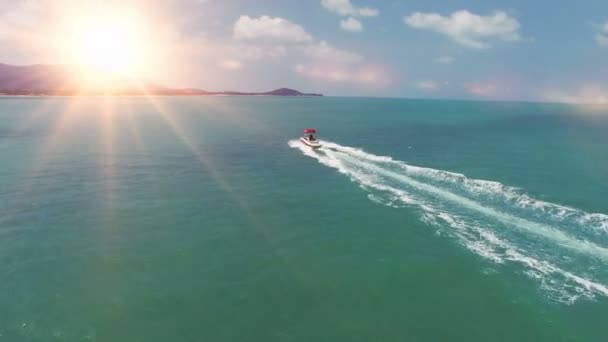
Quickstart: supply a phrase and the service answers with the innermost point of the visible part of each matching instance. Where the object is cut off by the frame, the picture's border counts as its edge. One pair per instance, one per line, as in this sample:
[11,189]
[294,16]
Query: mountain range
[42,79]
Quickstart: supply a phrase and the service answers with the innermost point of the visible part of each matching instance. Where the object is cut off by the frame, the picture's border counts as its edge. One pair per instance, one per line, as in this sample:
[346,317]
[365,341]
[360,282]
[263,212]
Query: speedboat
[309,138]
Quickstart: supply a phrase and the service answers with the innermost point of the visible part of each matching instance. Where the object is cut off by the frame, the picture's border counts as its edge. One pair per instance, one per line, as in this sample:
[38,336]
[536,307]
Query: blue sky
[513,50]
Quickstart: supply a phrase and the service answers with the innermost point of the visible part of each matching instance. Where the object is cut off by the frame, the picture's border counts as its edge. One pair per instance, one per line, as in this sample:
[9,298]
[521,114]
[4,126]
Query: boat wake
[563,248]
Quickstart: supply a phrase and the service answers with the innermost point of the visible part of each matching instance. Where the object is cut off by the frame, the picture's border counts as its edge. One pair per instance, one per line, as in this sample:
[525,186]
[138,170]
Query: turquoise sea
[204,219]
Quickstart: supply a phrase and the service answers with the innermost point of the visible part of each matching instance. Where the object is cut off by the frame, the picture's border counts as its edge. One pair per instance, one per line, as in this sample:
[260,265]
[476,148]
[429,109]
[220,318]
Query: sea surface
[204,219]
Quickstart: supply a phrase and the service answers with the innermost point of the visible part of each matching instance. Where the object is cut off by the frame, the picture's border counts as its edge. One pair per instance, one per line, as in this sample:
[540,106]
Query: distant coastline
[62,80]
[287,92]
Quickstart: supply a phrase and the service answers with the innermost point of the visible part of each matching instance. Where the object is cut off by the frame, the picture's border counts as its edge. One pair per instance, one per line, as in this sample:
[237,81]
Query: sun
[107,48]
[107,43]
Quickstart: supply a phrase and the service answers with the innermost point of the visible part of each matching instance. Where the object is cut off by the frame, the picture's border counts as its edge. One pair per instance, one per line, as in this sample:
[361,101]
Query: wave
[564,248]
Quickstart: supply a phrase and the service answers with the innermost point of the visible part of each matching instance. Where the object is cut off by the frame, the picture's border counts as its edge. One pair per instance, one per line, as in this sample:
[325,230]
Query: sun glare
[107,48]
[108,43]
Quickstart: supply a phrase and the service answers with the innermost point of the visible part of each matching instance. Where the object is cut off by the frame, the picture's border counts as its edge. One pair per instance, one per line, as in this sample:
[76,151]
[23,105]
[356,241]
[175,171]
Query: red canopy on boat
[310,130]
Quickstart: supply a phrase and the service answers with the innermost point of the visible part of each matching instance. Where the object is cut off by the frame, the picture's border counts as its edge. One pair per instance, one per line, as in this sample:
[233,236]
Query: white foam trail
[532,227]
[488,244]
[377,173]
[595,221]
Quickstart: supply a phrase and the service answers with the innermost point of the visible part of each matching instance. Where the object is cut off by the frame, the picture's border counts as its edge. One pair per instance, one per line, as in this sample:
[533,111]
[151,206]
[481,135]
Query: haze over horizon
[515,50]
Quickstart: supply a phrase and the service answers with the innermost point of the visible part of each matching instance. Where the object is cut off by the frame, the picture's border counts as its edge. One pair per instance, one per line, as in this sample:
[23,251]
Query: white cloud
[346,8]
[270,28]
[428,85]
[351,24]
[327,53]
[343,74]
[468,29]
[602,36]
[444,60]
[266,37]
[482,89]
[266,34]
[229,64]
[254,52]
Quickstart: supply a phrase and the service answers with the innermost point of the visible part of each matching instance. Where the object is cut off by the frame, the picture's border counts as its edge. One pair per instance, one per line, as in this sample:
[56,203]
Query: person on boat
[311,138]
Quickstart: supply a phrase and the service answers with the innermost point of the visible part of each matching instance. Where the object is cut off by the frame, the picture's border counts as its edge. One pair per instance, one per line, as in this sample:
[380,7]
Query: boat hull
[313,144]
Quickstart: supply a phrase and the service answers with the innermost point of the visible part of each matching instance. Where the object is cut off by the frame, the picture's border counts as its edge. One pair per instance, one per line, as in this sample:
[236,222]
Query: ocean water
[204,219]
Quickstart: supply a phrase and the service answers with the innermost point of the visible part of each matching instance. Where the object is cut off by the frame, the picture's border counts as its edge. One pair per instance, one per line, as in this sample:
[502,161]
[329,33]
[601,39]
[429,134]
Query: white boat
[309,138]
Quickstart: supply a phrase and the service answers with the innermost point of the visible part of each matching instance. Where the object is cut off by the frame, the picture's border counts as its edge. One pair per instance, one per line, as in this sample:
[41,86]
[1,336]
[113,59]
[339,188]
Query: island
[62,80]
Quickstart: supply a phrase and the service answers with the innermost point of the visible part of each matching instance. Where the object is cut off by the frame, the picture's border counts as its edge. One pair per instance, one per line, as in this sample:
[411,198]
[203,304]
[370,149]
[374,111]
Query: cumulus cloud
[265,36]
[444,60]
[351,24]
[364,75]
[482,89]
[602,36]
[279,30]
[270,29]
[326,52]
[345,8]
[229,64]
[428,85]
[468,29]
[255,52]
